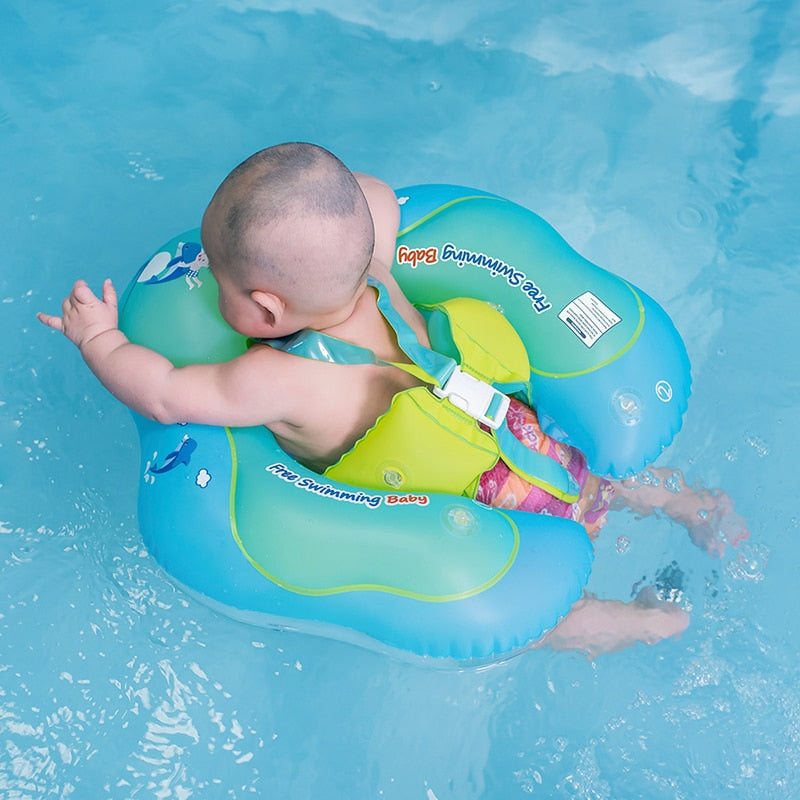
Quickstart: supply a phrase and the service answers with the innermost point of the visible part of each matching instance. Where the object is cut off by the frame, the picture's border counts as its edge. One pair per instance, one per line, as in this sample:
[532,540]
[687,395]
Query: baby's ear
[274,308]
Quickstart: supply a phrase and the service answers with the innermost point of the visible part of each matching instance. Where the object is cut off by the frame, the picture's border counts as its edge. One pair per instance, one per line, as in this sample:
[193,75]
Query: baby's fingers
[52,322]
[109,293]
[83,294]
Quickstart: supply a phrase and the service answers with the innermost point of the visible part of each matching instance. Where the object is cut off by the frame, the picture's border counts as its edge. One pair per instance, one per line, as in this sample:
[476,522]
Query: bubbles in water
[586,779]
[560,745]
[528,779]
[141,166]
[647,478]
[623,544]
[750,564]
[758,444]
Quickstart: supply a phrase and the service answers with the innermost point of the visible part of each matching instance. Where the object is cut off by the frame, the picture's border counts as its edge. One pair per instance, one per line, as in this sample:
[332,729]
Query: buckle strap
[436,366]
[476,398]
[473,396]
[536,468]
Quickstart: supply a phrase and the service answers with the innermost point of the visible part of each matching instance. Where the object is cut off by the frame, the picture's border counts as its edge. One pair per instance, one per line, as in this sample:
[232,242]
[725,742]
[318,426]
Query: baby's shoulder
[300,358]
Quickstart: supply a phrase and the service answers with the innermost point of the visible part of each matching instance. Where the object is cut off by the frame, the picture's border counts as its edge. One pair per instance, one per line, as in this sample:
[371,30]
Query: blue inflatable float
[233,518]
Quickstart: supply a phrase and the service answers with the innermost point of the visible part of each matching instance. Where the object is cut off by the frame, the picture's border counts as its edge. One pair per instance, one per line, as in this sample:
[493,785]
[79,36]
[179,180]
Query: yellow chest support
[443,436]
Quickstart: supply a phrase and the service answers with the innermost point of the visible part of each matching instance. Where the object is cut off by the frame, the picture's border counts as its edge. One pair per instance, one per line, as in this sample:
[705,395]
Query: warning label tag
[588,318]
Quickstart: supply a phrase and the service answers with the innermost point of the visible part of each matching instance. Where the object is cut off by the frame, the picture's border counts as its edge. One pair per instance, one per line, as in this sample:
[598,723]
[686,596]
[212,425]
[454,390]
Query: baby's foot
[659,619]
[595,626]
[714,524]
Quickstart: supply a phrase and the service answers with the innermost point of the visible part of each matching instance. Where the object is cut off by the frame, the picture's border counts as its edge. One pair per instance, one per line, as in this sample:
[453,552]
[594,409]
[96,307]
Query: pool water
[659,140]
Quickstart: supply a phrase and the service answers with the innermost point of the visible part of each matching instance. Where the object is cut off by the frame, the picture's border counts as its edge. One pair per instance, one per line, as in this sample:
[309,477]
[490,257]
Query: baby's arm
[230,393]
[385,213]
[90,323]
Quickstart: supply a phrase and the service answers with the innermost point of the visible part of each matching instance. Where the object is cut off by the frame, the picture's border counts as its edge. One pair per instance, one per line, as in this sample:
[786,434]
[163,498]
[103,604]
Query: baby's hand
[85,315]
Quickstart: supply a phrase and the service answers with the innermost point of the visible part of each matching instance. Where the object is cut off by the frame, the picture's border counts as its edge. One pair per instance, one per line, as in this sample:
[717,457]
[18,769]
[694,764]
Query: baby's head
[289,238]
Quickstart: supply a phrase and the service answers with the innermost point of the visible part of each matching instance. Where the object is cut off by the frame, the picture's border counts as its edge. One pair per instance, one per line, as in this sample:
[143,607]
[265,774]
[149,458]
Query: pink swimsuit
[502,488]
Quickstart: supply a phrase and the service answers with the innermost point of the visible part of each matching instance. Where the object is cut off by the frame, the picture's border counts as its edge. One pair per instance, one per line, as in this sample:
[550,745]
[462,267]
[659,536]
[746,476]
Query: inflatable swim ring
[233,518]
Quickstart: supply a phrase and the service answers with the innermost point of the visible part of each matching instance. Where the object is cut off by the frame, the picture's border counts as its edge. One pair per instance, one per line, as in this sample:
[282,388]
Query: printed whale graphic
[182,455]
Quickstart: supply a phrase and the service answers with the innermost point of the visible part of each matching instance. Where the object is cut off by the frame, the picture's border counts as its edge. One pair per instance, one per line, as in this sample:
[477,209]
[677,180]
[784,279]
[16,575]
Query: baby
[291,236]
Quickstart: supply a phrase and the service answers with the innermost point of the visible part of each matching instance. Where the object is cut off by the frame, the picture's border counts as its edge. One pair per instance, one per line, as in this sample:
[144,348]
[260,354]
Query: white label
[588,318]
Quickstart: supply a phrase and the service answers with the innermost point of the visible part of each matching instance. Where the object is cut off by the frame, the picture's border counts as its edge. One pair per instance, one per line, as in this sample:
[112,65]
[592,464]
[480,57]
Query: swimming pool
[659,142]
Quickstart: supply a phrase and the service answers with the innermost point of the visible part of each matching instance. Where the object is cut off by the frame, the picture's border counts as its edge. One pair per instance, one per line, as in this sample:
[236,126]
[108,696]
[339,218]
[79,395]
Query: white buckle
[477,398]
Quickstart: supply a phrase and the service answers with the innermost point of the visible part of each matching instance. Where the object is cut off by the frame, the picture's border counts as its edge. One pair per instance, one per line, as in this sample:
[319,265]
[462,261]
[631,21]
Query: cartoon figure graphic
[186,263]
[182,454]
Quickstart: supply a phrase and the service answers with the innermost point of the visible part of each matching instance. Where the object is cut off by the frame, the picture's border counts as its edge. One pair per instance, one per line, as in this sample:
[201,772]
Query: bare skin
[595,626]
[707,514]
[264,386]
[318,410]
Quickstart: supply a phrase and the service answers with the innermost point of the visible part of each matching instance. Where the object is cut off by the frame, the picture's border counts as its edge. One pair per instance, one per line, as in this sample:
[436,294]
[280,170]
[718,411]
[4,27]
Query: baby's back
[336,404]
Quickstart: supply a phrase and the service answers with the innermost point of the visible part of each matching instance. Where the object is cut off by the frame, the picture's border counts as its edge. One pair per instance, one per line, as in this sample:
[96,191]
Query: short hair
[280,182]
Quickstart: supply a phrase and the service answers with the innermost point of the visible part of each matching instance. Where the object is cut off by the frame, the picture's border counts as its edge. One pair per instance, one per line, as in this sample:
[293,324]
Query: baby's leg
[707,514]
[596,626]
